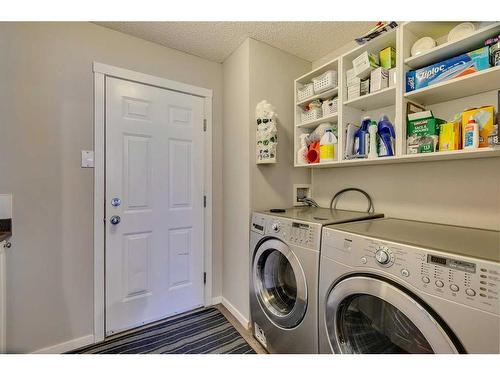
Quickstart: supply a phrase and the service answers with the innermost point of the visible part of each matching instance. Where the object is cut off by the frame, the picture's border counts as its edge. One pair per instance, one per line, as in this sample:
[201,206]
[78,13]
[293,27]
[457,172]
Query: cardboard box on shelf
[388,58]
[450,136]
[457,66]
[484,116]
[353,92]
[392,77]
[379,79]
[365,86]
[364,64]
[422,133]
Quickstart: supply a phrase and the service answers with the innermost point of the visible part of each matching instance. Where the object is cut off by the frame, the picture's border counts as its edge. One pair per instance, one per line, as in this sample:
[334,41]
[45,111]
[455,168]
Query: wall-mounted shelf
[432,156]
[449,49]
[324,95]
[444,99]
[378,99]
[471,84]
[312,124]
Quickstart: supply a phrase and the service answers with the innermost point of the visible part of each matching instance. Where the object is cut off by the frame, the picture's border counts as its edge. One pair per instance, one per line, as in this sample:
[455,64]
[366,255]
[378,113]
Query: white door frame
[100,73]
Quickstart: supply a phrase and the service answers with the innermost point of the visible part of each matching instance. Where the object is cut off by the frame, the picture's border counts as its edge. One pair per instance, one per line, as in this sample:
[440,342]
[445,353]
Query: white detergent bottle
[326,146]
[471,134]
[372,130]
[302,153]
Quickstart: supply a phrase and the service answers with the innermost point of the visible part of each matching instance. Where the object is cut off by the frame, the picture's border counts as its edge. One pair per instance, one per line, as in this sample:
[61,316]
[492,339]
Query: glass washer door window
[366,315]
[279,283]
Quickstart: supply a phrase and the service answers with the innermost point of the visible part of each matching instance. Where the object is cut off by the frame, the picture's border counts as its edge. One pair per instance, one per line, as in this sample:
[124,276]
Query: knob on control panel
[383,256]
[275,227]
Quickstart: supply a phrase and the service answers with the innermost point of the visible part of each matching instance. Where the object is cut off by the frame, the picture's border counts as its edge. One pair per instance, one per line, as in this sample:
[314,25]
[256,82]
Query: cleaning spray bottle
[387,137]
[372,130]
[302,153]
[349,143]
[361,138]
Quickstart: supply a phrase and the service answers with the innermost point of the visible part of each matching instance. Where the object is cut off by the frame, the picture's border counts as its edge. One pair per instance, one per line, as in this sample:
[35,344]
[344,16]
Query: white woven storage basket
[326,81]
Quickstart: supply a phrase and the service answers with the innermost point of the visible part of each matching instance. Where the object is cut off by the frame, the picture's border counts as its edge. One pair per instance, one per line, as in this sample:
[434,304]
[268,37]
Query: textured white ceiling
[215,41]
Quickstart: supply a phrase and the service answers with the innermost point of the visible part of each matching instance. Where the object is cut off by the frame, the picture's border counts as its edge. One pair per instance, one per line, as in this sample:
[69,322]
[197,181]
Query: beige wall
[254,72]
[272,72]
[461,192]
[236,177]
[46,119]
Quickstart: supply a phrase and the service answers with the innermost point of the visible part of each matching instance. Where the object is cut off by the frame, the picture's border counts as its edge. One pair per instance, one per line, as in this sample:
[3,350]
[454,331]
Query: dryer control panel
[292,232]
[469,281]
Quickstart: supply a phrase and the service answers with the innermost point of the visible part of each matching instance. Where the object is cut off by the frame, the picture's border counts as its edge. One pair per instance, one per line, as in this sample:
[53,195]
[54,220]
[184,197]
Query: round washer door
[279,283]
[369,315]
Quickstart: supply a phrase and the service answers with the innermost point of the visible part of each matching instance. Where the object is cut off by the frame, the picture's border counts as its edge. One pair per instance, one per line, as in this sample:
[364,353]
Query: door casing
[100,72]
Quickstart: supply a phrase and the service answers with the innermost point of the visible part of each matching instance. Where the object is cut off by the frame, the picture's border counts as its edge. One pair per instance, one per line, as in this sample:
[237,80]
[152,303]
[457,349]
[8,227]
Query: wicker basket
[324,82]
[330,107]
[305,92]
[311,115]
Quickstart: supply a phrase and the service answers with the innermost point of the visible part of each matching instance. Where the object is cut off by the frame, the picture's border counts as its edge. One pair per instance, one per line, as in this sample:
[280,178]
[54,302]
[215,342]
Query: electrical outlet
[301,191]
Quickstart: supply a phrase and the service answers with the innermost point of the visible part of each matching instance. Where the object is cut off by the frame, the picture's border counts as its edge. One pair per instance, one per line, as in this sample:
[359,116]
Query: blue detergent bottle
[387,137]
[361,138]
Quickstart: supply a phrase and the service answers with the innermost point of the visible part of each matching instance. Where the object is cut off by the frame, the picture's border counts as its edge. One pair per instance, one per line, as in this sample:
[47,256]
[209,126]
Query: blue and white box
[458,66]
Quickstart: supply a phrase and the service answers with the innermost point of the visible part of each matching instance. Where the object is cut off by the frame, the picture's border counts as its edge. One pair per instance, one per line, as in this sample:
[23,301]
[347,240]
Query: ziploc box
[457,66]
[484,117]
[422,133]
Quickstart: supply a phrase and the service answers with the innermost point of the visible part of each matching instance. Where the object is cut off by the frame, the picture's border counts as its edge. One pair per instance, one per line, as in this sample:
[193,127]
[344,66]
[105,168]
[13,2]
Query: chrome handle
[115,219]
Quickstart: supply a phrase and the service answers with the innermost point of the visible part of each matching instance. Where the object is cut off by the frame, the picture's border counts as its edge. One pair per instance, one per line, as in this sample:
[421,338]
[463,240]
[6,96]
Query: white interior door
[154,197]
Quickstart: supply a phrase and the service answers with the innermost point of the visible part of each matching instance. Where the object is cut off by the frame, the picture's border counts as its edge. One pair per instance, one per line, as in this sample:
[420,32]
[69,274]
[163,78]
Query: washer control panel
[292,232]
[465,280]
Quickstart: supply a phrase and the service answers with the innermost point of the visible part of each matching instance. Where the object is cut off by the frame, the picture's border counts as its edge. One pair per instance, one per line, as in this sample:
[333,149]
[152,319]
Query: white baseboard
[216,300]
[67,346]
[236,313]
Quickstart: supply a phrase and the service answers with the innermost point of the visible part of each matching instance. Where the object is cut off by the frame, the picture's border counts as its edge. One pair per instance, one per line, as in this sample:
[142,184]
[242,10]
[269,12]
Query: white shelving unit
[393,101]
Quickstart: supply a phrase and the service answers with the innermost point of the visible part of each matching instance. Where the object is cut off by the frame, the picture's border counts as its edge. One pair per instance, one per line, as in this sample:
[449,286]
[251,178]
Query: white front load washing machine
[284,266]
[399,286]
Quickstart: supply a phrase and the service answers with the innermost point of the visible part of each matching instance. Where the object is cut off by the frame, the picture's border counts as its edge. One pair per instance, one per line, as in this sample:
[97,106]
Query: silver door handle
[115,219]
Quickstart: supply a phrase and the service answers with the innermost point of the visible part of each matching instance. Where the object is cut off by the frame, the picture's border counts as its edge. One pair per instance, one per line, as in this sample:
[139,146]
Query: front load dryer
[284,266]
[399,286]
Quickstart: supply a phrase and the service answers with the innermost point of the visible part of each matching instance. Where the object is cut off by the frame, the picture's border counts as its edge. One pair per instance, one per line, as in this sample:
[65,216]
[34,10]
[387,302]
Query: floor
[246,333]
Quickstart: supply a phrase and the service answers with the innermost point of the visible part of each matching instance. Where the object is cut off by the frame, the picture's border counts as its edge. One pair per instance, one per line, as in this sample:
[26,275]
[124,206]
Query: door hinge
[205,125]
[204,201]
[204,277]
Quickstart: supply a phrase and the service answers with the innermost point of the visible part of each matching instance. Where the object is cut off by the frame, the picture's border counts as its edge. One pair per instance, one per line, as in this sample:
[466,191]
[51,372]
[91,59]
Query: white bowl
[422,45]
[461,31]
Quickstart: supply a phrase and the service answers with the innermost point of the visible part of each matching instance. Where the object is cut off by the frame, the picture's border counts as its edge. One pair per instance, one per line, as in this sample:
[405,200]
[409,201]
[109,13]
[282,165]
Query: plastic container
[361,138]
[327,147]
[387,137]
[471,134]
[311,115]
[302,153]
[326,81]
[313,153]
[305,92]
[330,107]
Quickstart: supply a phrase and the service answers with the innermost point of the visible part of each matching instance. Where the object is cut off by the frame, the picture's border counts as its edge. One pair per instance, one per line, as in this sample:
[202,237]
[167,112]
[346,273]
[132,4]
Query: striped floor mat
[205,331]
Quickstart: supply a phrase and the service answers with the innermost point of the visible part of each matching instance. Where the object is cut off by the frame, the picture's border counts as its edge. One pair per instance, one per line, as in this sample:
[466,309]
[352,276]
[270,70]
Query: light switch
[87,159]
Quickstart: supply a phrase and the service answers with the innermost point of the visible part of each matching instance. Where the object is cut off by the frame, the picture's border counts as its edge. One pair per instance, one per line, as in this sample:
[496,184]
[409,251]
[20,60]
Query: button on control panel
[439,283]
[468,281]
[293,232]
[470,292]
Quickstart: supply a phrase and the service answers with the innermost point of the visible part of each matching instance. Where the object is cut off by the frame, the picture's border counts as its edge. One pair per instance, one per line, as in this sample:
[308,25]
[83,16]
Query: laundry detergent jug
[387,137]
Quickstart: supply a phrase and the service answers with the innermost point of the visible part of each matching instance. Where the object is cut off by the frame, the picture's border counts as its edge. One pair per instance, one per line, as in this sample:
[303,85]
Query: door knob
[115,219]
